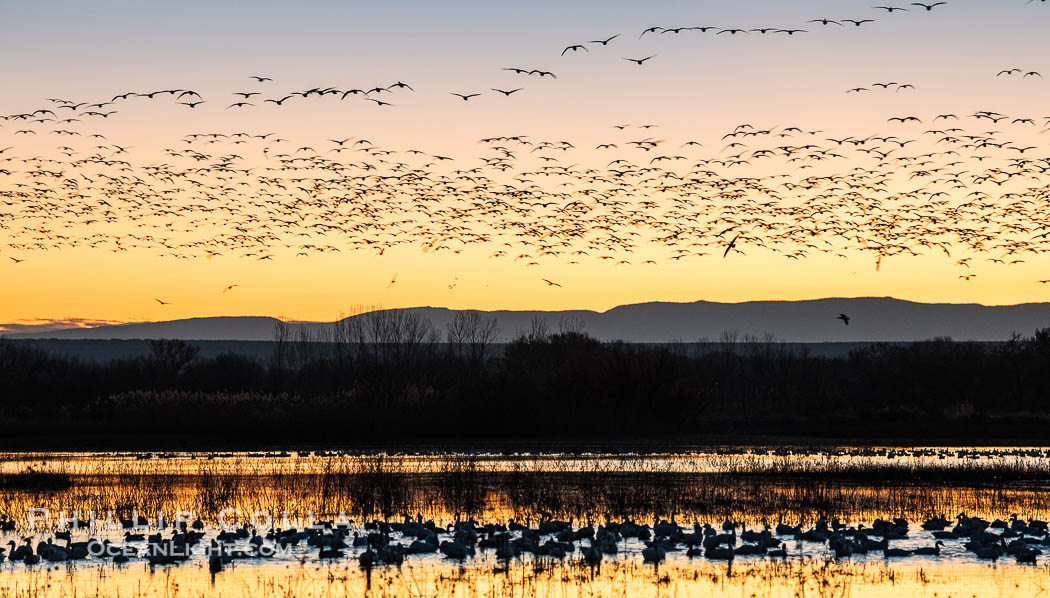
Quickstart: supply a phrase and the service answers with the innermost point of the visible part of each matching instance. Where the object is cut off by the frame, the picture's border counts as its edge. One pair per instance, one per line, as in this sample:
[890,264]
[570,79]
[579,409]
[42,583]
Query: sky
[698,86]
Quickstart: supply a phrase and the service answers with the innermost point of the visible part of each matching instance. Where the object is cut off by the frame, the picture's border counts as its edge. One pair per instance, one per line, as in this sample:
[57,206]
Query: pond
[742,522]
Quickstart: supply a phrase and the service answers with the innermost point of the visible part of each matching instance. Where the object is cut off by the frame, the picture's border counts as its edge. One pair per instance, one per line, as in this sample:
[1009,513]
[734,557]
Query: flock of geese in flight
[971,183]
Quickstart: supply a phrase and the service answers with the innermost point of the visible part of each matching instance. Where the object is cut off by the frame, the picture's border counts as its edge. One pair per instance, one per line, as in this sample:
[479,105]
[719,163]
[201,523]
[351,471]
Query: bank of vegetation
[389,376]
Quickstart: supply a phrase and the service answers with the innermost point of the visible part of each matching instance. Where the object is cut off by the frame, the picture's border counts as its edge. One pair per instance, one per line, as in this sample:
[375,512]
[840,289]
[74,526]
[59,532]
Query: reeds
[36,481]
[984,472]
[450,488]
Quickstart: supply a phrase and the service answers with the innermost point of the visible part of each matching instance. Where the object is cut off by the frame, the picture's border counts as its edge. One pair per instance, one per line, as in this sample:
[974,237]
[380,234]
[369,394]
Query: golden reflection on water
[753,502]
[495,489]
[705,487]
[761,579]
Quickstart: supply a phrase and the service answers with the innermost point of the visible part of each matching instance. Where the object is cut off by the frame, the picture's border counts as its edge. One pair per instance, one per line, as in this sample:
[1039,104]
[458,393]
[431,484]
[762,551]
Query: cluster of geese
[795,192]
[191,99]
[389,543]
[659,31]
[969,185]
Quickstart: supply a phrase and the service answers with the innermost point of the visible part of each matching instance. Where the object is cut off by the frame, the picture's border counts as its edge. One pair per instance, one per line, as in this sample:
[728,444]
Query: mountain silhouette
[809,321]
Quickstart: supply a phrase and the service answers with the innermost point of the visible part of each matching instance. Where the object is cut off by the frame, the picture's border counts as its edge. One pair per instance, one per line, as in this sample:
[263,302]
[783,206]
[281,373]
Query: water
[582,488]
[837,580]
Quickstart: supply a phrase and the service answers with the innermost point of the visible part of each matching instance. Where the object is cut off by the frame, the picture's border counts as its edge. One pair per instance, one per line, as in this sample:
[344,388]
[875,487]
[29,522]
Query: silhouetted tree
[384,380]
[469,335]
[169,357]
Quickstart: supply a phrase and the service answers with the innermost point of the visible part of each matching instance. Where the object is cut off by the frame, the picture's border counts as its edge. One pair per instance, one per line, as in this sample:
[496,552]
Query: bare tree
[571,325]
[386,335]
[348,333]
[469,334]
[281,337]
[537,330]
[306,346]
[341,336]
[728,340]
[171,356]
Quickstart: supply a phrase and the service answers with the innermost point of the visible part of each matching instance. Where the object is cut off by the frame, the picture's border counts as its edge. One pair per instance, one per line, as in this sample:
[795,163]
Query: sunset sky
[698,86]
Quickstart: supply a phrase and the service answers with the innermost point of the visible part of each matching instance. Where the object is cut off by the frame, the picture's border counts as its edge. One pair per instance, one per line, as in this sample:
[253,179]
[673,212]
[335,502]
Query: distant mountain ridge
[871,319]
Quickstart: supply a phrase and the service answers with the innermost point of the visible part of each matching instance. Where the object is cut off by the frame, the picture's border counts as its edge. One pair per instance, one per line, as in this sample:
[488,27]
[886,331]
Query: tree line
[392,376]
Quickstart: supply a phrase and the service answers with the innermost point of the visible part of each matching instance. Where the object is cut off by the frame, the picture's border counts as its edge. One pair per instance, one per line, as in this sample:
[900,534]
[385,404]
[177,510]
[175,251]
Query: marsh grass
[35,480]
[451,487]
[985,472]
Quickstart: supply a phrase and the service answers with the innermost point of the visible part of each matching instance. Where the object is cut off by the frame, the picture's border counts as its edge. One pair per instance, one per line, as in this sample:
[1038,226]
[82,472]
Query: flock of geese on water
[968,184]
[389,543]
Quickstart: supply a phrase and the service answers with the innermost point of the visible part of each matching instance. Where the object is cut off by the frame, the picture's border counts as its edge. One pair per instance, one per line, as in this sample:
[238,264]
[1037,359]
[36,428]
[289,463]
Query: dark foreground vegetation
[452,487]
[386,378]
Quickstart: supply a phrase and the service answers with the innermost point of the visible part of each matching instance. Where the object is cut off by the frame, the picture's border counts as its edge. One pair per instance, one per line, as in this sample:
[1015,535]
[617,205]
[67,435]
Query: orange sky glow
[158,208]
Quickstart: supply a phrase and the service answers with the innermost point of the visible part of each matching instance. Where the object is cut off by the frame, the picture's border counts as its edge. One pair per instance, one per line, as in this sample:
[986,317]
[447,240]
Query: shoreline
[646,445]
